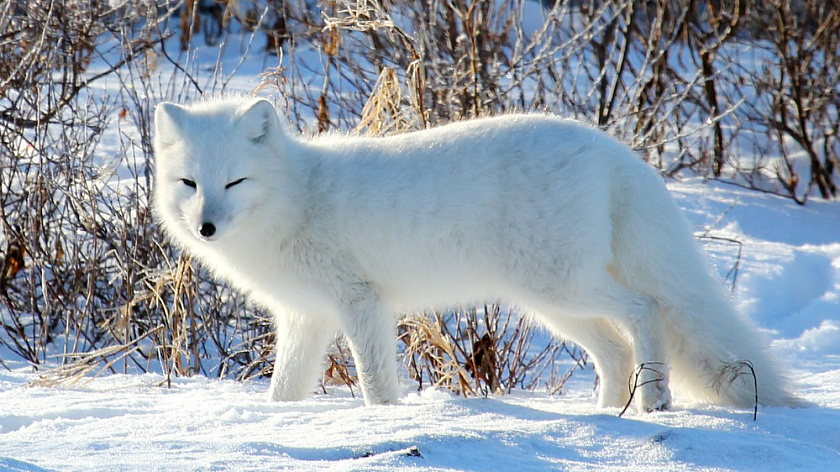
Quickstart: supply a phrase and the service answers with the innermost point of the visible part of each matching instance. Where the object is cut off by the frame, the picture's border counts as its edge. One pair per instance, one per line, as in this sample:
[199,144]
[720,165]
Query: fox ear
[258,121]
[169,121]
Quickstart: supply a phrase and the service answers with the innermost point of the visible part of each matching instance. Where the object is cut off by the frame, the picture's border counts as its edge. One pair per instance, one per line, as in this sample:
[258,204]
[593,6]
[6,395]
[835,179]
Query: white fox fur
[339,233]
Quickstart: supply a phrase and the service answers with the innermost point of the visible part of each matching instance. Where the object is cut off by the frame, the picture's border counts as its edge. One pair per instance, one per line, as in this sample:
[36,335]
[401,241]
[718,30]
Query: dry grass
[484,350]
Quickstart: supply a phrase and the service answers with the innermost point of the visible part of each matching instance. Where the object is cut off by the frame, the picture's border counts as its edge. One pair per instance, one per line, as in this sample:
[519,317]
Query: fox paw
[657,398]
[650,385]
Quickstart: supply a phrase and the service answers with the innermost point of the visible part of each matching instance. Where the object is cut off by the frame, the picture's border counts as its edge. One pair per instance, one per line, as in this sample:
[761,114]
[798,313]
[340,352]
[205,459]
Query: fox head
[214,163]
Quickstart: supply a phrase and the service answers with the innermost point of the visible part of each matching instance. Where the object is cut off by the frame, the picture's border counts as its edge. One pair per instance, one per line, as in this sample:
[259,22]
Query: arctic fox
[338,234]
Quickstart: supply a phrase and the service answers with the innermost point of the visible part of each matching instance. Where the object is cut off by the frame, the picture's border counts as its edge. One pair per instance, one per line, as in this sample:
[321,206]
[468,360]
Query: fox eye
[235,182]
[189,183]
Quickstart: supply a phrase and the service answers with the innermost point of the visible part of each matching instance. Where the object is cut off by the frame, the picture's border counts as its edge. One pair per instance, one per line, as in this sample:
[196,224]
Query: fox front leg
[371,334]
[301,344]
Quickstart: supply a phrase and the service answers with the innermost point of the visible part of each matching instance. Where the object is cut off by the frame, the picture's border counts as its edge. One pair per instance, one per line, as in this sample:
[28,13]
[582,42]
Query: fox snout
[211,219]
[207,229]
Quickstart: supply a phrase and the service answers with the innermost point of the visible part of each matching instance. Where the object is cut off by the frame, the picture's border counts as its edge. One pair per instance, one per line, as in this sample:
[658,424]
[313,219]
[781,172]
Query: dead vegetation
[485,350]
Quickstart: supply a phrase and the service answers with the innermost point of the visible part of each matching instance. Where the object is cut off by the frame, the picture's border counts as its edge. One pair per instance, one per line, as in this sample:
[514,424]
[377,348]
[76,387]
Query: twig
[633,381]
[731,371]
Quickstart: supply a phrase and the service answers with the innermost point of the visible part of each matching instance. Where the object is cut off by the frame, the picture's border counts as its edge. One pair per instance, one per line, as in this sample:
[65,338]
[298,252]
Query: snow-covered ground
[788,281]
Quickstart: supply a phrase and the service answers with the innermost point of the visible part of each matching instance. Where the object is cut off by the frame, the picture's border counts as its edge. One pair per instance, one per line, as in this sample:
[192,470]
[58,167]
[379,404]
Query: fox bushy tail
[716,356]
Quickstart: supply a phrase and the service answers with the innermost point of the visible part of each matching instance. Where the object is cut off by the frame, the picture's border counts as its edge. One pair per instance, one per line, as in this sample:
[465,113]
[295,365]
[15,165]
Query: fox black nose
[207,229]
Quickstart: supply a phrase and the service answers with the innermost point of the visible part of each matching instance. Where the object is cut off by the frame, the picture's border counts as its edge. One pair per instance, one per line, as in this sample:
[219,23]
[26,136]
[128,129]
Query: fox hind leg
[639,316]
[597,318]
[609,349]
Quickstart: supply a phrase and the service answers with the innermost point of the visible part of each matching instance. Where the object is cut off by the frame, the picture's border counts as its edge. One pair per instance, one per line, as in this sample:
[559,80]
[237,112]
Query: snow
[129,423]
[787,281]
